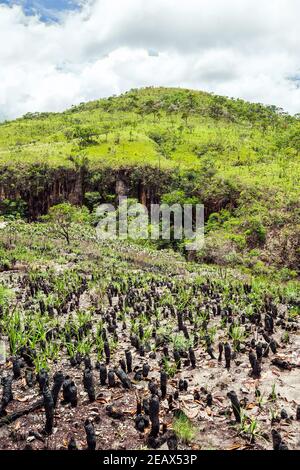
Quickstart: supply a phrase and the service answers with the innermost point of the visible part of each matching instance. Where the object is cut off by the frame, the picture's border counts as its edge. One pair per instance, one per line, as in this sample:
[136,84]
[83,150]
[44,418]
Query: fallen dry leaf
[196,447]
[17,426]
[102,401]
[130,412]
[117,397]
[22,399]
[235,447]
[23,382]
[191,413]
[250,406]
[275,372]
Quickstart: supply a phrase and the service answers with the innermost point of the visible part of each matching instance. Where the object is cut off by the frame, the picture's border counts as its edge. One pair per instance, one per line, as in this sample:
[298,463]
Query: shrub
[218,249]
[216,219]
[239,240]
[64,218]
[255,231]
[13,208]
[92,199]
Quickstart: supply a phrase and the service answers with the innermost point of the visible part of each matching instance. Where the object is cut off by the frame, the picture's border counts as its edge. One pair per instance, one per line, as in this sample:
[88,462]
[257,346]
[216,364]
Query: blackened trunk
[128,356]
[236,407]
[58,379]
[70,392]
[123,365]
[29,377]
[172,441]
[177,359]
[72,444]
[90,435]
[49,410]
[16,368]
[220,352]
[111,378]
[103,374]
[107,352]
[146,369]
[209,399]
[192,357]
[259,352]
[43,379]
[123,378]
[88,382]
[163,383]
[180,321]
[154,415]
[7,396]
[227,352]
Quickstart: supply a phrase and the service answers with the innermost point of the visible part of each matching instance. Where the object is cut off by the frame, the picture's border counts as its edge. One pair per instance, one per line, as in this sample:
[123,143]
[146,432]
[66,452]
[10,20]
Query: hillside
[120,321]
[240,159]
[139,344]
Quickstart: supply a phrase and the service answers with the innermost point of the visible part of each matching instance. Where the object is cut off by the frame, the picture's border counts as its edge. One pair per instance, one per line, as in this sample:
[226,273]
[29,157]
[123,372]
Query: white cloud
[246,49]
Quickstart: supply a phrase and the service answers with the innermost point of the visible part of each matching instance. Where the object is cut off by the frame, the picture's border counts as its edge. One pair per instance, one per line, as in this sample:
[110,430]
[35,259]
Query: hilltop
[155,126]
[240,159]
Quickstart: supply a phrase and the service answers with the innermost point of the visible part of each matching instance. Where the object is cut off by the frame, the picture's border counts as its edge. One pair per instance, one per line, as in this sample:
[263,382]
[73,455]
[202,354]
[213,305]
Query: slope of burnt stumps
[122,347]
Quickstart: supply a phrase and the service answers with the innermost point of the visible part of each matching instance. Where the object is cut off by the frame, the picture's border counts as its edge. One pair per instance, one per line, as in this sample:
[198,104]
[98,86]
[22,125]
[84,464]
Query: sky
[56,53]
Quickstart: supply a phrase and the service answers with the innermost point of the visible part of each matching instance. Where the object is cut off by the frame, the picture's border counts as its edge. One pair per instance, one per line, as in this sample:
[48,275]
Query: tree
[92,199]
[105,130]
[86,135]
[64,218]
[80,161]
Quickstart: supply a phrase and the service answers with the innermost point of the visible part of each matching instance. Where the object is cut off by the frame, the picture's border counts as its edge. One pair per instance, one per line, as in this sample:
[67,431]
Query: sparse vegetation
[184,429]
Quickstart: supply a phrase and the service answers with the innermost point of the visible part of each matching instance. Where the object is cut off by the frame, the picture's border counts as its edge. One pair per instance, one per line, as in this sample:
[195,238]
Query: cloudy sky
[55,53]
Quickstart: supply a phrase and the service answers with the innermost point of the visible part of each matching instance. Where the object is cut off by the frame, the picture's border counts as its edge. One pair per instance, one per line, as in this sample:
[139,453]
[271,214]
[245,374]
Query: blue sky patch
[47,10]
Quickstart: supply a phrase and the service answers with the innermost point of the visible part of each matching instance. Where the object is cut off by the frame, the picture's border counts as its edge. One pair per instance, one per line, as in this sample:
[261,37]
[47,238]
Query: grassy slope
[243,146]
[250,145]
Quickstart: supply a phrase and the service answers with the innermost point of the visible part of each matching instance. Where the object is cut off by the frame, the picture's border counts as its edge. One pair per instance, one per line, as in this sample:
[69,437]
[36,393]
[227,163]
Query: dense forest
[135,344]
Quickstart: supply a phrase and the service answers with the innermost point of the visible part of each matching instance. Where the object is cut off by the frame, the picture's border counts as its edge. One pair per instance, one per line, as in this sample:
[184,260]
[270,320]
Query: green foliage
[5,295]
[13,208]
[237,334]
[92,199]
[184,428]
[250,428]
[85,135]
[255,230]
[171,369]
[240,159]
[178,197]
[217,219]
[64,219]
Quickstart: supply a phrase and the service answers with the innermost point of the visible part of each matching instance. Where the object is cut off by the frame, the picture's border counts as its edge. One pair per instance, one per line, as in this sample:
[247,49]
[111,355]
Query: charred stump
[236,406]
[154,415]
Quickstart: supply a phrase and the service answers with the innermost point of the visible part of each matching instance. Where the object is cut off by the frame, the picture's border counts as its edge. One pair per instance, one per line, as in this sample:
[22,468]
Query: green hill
[240,159]
[177,127]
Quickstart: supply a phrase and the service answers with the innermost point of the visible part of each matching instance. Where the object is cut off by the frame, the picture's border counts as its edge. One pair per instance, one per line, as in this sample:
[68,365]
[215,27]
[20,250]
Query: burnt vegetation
[147,363]
[127,344]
